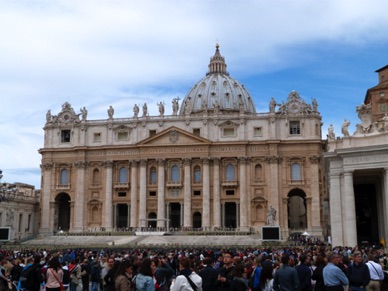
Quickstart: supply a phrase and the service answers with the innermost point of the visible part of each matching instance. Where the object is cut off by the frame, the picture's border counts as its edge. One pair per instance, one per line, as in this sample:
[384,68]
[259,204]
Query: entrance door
[63,204]
[122,215]
[175,215]
[230,215]
[366,213]
[197,220]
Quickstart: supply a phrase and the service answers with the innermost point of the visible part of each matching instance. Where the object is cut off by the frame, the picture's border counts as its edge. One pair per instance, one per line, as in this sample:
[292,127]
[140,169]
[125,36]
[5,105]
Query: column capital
[216,161]
[348,173]
[108,164]
[186,162]
[80,164]
[314,159]
[143,162]
[242,160]
[161,162]
[133,163]
[205,161]
[47,166]
[274,159]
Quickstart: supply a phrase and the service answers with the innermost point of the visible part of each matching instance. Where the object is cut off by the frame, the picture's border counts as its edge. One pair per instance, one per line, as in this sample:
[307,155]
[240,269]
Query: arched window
[64,177]
[295,172]
[123,175]
[230,173]
[197,174]
[153,176]
[96,177]
[175,174]
[258,172]
[95,215]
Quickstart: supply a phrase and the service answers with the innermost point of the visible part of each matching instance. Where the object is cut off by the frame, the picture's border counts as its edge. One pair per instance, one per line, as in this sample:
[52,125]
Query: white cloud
[101,53]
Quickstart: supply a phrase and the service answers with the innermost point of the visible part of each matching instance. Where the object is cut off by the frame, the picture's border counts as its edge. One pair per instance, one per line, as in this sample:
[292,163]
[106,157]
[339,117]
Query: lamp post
[8,192]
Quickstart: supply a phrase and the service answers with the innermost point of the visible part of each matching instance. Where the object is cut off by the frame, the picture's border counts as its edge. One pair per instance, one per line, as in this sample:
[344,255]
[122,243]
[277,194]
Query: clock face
[66,117]
[294,106]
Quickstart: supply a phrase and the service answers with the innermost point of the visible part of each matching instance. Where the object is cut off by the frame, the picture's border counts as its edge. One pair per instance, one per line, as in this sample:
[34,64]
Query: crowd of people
[312,268]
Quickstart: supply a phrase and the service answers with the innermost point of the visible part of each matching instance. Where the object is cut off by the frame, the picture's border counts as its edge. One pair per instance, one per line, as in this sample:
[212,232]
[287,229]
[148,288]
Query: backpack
[27,277]
[66,277]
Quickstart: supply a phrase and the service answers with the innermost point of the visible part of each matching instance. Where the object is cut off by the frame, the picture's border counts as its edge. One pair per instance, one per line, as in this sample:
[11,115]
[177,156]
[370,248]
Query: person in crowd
[163,274]
[358,273]
[239,281]
[187,278]
[317,275]
[66,275]
[256,273]
[85,275]
[376,274]
[95,275]
[333,277]
[145,278]
[75,274]
[225,273]
[266,277]
[209,275]
[304,273]
[16,270]
[286,278]
[123,281]
[54,275]
[110,277]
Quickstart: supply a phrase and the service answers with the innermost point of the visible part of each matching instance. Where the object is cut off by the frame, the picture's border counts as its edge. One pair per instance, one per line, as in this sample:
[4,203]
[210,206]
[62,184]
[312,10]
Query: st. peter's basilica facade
[213,163]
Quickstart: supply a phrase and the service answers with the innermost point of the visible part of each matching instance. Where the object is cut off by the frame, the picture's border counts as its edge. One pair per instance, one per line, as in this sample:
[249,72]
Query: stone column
[143,193]
[385,206]
[181,214]
[336,210]
[108,196]
[80,196]
[315,216]
[134,220]
[273,198]
[243,194]
[216,193]
[168,216]
[46,193]
[161,194]
[187,221]
[206,194]
[223,214]
[350,211]
[129,214]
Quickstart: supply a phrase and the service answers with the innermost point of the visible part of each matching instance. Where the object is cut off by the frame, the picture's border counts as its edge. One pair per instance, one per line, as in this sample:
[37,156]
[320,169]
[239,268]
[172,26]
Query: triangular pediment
[174,136]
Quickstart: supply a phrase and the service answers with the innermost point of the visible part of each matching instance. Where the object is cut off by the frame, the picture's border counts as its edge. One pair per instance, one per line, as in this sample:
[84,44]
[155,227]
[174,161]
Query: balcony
[229,183]
[118,185]
[63,186]
[174,184]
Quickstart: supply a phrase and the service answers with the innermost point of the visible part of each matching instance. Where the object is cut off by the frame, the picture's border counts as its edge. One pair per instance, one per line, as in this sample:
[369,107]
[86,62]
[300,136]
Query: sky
[121,52]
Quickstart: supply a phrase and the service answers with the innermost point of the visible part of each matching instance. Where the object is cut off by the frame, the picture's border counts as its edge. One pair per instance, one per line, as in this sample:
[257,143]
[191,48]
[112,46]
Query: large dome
[217,92]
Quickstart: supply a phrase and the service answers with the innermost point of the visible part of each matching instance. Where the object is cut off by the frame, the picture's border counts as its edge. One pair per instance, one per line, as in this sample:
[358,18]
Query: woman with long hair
[123,281]
[320,263]
[145,277]
[266,276]
[54,275]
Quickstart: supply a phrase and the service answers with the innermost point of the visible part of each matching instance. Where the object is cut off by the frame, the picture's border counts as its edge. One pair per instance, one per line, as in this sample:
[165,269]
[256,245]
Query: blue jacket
[286,279]
[144,283]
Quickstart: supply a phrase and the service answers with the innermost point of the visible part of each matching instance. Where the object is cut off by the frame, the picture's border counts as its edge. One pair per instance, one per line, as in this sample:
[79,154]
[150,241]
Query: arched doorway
[197,220]
[297,209]
[230,219]
[62,212]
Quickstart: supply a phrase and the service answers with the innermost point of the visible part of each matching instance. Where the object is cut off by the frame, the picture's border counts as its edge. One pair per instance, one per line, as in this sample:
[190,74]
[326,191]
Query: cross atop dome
[217,63]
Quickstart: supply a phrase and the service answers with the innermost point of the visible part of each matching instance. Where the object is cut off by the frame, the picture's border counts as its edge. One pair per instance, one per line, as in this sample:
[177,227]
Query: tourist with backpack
[31,276]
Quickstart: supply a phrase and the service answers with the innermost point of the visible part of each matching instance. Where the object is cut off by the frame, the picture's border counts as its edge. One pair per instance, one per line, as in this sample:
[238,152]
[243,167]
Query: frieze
[173,150]
[365,159]
[227,149]
[81,164]
[258,148]
[124,152]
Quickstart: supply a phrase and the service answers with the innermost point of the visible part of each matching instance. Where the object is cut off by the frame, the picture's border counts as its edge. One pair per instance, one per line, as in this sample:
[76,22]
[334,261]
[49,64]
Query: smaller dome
[217,92]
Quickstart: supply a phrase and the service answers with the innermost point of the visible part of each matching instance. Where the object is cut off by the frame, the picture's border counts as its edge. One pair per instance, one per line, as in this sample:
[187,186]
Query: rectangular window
[20,222]
[197,131]
[97,137]
[197,192]
[257,131]
[229,192]
[65,135]
[122,135]
[152,132]
[29,222]
[228,132]
[153,193]
[294,127]
[122,194]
